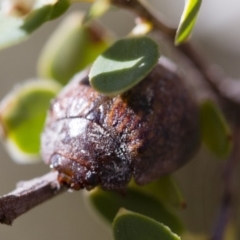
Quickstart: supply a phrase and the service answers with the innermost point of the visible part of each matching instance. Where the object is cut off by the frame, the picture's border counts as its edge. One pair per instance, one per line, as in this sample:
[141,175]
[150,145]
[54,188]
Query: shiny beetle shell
[147,132]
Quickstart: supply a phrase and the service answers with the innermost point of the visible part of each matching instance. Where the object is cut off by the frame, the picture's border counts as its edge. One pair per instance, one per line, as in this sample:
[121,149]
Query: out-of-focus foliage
[215,131]
[165,189]
[71,48]
[14,29]
[108,203]
[22,116]
[129,225]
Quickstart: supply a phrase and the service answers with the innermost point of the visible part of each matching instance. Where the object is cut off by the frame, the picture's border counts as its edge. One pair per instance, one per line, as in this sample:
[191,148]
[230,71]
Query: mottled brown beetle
[147,132]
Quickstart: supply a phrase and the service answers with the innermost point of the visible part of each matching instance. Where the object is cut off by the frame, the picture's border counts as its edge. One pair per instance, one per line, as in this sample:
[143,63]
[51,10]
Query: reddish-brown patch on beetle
[147,132]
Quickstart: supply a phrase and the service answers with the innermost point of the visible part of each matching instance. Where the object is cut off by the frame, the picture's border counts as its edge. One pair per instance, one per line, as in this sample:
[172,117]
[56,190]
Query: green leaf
[123,65]
[59,9]
[165,189]
[133,226]
[71,48]
[215,131]
[22,116]
[194,236]
[187,21]
[97,9]
[36,18]
[230,232]
[16,29]
[135,201]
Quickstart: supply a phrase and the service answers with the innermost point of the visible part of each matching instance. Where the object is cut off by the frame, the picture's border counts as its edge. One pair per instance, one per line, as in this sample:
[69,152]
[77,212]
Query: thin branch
[227,198]
[140,10]
[225,88]
[27,195]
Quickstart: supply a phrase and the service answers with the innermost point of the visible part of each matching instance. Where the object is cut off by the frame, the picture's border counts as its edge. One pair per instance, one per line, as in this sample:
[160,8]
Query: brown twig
[140,10]
[227,89]
[226,210]
[27,195]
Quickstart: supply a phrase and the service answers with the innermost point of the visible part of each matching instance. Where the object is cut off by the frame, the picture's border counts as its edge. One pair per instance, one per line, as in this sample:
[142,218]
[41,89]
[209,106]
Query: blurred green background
[66,216]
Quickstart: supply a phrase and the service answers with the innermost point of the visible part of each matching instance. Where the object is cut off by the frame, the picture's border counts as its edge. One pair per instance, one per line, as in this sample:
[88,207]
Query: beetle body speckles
[147,132]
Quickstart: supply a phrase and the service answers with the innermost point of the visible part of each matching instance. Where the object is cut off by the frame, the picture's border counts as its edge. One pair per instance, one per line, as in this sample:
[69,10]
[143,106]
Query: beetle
[145,133]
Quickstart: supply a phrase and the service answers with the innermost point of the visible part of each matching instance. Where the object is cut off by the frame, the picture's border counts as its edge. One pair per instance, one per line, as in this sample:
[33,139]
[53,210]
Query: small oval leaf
[16,29]
[36,18]
[188,20]
[195,236]
[215,131]
[71,48]
[123,65]
[231,230]
[135,201]
[22,116]
[98,8]
[59,9]
[133,226]
[165,189]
